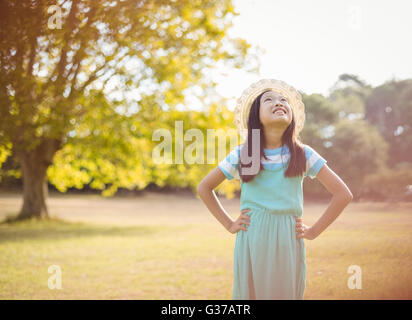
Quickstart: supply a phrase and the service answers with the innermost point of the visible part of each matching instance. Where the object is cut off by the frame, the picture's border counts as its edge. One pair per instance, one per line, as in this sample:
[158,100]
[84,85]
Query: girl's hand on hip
[303,231]
[238,224]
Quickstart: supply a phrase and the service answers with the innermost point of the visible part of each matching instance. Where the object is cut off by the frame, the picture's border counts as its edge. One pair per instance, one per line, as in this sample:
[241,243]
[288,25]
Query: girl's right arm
[206,192]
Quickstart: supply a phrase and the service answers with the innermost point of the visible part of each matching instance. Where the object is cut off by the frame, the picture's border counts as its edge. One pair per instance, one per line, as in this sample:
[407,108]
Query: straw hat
[244,103]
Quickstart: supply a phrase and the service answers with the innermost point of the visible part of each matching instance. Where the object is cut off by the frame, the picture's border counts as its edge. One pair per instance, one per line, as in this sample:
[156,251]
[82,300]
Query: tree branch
[69,30]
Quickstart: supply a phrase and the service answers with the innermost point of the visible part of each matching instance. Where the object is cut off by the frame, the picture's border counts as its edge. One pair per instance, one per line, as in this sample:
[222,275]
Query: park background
[83,86]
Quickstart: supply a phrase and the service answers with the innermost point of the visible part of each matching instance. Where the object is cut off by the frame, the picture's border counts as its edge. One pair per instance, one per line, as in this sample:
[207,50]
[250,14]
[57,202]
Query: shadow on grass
[15,230]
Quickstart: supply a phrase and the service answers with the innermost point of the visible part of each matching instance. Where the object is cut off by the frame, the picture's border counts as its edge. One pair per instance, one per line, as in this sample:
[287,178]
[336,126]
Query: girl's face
[275,110]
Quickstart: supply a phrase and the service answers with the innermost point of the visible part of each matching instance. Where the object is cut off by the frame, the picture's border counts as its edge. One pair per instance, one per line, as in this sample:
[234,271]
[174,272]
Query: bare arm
[206,192]
[340,199]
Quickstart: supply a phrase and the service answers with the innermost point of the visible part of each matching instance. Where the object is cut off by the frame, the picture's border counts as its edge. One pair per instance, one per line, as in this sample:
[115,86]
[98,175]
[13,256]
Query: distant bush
[389,184]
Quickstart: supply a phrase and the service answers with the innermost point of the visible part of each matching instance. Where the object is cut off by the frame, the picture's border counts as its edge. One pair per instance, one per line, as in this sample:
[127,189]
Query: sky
[308,44]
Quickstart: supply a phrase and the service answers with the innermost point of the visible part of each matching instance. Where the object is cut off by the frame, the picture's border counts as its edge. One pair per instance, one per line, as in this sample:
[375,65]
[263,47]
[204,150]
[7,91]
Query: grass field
[171,247]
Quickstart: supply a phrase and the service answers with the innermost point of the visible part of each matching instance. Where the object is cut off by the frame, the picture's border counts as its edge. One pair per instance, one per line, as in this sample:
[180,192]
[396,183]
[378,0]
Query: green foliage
[218,118]
[108,150]
[356,150]
[320,115]
[98,85]
[5,152]
[389,183]
[389,108]
[365,130]
[348,103]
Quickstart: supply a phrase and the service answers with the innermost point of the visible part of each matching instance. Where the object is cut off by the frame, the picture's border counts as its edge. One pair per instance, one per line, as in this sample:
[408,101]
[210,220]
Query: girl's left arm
[340,199]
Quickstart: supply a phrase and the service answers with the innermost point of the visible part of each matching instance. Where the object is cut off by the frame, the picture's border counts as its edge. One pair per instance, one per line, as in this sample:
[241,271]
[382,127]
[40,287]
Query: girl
[269,254]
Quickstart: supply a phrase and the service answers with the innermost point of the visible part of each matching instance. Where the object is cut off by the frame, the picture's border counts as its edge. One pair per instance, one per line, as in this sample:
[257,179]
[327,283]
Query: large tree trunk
[34,164]
[34,190]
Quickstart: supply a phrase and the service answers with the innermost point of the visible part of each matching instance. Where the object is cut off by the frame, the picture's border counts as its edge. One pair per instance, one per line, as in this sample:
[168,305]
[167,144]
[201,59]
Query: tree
[356,150]
[321,115]
[348,95]
[390,184]
[321,118]
[108,159]
[389,108]
[108,59]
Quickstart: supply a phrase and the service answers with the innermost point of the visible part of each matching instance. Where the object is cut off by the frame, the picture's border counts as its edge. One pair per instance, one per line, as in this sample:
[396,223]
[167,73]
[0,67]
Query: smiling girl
[269,254]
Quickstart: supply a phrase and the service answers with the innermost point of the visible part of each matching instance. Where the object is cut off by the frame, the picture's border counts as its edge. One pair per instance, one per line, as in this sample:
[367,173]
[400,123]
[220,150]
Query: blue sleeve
[229,165]
[314,162]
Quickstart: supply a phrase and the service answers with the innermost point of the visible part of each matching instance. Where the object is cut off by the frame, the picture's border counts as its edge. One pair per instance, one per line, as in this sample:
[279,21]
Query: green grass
[100,262]
[146,257]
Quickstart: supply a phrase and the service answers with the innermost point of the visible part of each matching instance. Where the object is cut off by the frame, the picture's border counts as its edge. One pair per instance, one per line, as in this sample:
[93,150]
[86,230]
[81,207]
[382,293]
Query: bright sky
[309,44]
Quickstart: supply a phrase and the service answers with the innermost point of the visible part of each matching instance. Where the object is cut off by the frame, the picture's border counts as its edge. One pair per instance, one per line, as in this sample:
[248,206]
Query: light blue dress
[269,262]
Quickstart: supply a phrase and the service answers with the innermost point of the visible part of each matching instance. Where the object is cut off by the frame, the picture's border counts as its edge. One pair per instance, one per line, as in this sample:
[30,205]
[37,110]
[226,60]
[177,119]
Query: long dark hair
[297,164]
